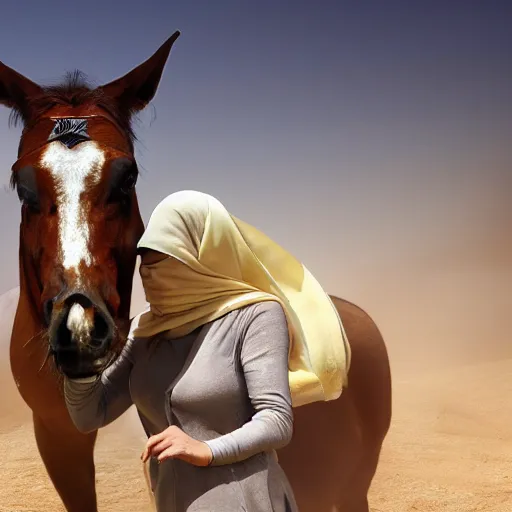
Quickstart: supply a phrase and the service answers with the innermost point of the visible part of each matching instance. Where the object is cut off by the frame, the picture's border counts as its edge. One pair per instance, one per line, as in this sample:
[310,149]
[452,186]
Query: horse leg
[68,457]
[359,505]
[356,499]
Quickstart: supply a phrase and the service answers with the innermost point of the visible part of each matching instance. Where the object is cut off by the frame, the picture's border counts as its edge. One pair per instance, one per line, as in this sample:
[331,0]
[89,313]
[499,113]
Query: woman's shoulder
[260,322]
[265,308]
[264,312]
[250,316]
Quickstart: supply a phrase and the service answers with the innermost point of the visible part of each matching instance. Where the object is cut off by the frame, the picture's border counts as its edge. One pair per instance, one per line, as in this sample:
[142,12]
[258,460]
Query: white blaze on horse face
[73,169]
[79,324]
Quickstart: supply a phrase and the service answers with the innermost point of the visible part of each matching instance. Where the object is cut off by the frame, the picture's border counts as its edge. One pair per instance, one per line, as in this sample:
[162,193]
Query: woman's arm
[97,401]
[264,358]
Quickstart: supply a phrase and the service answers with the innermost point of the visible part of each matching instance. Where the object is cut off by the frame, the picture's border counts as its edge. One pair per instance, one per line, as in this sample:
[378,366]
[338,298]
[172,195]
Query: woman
[216,364]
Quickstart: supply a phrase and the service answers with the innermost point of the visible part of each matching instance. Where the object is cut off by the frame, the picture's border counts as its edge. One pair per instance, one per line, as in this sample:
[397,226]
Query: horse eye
[128,182]
[26,187]
[123,179]
[29,198]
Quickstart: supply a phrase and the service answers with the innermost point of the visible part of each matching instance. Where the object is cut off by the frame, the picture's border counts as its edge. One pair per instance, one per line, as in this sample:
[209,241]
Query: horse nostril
[101,331]
[62,336]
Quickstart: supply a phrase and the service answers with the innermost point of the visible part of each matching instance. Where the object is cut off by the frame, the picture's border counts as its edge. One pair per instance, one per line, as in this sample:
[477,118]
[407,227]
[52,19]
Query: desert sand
[449,447]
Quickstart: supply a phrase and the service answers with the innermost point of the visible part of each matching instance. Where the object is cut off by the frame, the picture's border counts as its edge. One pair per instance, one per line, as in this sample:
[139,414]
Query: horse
[76,179]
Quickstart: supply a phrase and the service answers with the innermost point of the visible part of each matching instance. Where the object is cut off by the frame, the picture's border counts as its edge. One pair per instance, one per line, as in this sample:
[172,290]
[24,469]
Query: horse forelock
[74,91]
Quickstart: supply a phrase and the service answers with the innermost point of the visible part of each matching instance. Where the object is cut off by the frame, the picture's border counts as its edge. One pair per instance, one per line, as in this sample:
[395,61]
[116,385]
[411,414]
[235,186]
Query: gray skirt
[257,484]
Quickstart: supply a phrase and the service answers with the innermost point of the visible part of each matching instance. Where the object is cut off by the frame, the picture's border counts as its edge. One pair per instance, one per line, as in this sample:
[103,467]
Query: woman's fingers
[155,444]
[160,447]
[161,442]
[151,442]
[179,446]
[145,455]
[169,453]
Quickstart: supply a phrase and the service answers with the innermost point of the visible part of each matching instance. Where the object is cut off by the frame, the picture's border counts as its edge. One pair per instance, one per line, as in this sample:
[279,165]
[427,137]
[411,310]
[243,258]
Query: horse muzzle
[81,333]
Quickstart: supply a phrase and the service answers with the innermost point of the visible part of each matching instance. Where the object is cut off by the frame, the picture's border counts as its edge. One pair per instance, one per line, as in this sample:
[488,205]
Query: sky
[371,139]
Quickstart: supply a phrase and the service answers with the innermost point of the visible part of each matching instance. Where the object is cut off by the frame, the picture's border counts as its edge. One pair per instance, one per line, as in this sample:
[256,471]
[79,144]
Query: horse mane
[75,90]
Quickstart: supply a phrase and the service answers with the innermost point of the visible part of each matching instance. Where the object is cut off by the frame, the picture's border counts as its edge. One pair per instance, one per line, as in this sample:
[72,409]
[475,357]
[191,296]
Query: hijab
[218,263]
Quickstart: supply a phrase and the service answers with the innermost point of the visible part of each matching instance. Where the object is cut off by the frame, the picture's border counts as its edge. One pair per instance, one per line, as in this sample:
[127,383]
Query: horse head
[80,222]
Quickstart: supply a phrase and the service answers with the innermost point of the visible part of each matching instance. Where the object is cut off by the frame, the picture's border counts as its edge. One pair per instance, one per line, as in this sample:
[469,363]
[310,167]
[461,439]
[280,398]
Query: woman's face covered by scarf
[166,280]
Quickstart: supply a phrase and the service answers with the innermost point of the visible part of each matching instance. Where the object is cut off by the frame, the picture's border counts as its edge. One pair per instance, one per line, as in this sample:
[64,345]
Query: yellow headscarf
[228,264]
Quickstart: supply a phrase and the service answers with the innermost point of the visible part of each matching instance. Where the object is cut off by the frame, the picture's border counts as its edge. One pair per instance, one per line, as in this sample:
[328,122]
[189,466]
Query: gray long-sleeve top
[225,384]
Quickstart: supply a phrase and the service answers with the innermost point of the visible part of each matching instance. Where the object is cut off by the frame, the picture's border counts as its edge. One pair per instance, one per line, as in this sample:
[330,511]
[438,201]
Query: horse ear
[16,90]
[137,88]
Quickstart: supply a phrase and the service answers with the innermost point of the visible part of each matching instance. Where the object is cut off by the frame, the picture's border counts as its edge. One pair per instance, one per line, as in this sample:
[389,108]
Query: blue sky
[365,137]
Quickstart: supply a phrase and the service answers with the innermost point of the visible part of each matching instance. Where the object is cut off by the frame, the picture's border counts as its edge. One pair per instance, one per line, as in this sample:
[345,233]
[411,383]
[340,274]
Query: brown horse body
[77,257]
[335,449]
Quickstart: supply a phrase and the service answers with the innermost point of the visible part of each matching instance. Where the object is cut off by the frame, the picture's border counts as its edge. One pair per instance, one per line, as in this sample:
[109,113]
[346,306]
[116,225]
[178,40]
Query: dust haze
[443,316]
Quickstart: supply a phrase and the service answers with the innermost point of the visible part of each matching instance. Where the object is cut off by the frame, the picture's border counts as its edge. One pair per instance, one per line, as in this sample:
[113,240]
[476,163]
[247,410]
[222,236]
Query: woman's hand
[173,443]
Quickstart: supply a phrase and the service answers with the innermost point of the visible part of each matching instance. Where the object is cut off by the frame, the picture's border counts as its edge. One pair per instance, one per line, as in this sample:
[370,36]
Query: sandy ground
[449,449]
[450,445]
